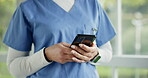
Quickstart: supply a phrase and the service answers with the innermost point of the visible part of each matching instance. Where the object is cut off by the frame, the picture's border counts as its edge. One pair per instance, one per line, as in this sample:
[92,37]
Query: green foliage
[131,72]
[7,8]
[4,73]
[135,6]
[134,3]
[128,5]
[106,72]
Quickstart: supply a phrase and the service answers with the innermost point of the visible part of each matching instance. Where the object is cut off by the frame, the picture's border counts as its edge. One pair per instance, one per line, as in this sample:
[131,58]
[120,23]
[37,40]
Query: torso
[51,25]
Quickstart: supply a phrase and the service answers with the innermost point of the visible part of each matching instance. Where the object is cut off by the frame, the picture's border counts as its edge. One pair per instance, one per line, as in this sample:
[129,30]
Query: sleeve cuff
[97,58]
[43,58]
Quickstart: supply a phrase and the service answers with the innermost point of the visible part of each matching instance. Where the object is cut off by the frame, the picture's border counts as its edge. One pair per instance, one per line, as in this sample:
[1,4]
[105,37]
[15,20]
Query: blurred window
[7,8]
[129,18]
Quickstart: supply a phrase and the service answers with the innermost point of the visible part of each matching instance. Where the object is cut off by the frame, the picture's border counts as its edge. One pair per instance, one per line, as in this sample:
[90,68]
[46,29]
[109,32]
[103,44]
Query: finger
[67,52]
[80,56]
[87,48]
[81,51]
[77,60]
[93,45]
[70,60]
[68,57]
[66,44]
[78,49]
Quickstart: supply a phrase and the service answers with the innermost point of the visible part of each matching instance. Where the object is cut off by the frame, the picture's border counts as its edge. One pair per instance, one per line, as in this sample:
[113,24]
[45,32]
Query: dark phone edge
[84,36]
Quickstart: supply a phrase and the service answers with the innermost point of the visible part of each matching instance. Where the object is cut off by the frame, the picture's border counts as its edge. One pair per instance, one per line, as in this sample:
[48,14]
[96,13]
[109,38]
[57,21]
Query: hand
[60,53]
[84,53]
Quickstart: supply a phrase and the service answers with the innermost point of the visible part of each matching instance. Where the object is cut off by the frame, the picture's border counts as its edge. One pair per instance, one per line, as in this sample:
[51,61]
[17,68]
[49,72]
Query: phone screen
[84,39]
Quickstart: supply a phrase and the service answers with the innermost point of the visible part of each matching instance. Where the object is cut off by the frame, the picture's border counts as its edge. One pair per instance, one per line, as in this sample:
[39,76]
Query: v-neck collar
[66,5]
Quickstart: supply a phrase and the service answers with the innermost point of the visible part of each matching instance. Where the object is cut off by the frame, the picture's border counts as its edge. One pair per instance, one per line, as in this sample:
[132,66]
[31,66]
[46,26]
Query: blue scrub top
[44,23]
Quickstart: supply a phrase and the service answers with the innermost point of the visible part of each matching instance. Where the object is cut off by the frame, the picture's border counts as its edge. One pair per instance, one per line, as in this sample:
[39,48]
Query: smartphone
[84,39]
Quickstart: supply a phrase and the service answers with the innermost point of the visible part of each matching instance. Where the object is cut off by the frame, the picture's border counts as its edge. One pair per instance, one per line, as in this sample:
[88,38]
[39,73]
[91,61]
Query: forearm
[21,65]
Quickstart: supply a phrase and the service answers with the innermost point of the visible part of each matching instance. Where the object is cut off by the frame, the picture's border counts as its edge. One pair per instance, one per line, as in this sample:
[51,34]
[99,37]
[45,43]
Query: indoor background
[130,46]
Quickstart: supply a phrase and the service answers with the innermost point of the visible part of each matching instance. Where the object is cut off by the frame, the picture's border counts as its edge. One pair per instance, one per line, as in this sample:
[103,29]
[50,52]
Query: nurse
[51,26]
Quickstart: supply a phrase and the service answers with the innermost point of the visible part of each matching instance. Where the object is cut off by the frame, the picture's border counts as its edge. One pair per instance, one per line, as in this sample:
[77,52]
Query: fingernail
[72,52]
[80,45]
[73,46]
[73,58]
[85,45]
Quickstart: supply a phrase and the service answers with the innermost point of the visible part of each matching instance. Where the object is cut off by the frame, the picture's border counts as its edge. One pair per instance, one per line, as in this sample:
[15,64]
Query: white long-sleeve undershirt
[20,64]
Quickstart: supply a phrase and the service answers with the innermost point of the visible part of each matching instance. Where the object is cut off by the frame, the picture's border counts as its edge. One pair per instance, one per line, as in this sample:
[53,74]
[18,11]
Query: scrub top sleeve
[105,29]
[19,34]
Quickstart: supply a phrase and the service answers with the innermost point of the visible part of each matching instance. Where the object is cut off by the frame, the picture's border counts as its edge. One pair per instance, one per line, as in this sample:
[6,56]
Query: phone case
[84,39]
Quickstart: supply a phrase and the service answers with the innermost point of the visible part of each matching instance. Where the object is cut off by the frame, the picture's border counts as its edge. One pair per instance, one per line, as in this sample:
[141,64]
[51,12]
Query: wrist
[96,57]
[45,55]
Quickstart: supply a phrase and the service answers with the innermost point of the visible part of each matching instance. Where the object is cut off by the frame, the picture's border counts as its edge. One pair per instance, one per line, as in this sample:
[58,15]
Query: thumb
[94,45]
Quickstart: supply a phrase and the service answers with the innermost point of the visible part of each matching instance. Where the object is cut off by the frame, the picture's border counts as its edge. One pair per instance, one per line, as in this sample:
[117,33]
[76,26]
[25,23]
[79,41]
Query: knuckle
[62,60]
[65,50]
[83,57]
[62,50]
[89,50]
[62,43]
[76,48]
[67,57]
[86,58]
[84,47]
[61,53]
[90,55]
[78,61]
[75,53]
[84,53]
[90,59]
